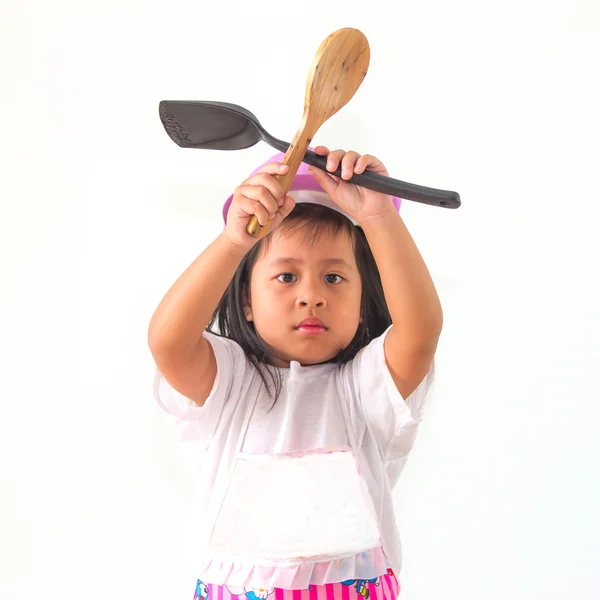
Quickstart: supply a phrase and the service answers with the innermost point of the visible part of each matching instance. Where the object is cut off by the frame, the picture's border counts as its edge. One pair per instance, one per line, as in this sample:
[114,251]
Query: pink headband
[303,181]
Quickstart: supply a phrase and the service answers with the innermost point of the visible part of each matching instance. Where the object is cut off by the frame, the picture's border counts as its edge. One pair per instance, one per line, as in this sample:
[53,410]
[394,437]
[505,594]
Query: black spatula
[224,126]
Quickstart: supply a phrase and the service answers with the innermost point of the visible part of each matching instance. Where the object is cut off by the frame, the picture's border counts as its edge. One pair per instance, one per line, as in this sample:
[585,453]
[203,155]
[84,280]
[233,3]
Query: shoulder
[367,366]
[393,418]
[408,363]
[224,346]
[371,375]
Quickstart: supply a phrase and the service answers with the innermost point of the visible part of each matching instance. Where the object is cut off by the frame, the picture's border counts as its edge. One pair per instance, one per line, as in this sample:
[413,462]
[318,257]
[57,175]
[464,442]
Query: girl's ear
[247,307]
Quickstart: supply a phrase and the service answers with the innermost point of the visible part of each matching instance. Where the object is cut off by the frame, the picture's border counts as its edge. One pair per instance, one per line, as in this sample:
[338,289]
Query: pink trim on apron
[386,587]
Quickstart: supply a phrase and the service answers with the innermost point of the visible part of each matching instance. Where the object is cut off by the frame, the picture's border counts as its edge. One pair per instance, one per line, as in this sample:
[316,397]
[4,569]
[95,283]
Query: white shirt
[306,415]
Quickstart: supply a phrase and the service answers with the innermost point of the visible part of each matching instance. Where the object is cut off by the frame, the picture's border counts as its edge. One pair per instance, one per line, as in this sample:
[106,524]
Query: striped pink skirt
[384,587]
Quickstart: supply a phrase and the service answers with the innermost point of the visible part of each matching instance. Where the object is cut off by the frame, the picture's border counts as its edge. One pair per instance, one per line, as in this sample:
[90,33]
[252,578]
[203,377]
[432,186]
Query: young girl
[305,406]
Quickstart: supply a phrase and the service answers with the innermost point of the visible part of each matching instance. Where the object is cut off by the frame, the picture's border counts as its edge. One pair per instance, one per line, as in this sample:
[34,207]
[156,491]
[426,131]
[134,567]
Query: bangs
[313,220]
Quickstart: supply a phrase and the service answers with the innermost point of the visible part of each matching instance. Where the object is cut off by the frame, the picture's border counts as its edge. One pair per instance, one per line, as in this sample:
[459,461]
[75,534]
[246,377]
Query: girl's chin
[305,349]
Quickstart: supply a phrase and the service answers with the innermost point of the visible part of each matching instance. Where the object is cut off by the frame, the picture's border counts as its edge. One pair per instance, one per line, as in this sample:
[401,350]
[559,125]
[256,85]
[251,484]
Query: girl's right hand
[260,195]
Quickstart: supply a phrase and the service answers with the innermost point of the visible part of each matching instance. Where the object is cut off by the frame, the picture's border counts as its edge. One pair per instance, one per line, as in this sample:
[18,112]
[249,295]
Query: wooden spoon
[338,69]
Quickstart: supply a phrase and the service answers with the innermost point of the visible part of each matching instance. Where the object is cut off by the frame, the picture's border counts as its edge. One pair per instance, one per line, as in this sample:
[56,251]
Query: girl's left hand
[360,203]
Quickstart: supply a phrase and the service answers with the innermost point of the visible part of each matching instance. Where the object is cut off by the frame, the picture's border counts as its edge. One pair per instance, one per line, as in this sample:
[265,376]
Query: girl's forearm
[184,312]
[409,291]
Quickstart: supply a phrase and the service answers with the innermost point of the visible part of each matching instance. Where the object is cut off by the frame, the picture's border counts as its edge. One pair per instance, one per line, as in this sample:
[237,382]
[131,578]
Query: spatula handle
[391,186]
[293,158]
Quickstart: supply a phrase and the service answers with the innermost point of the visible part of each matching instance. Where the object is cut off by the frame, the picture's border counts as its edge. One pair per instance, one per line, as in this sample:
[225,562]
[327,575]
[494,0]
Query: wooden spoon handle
[293,158]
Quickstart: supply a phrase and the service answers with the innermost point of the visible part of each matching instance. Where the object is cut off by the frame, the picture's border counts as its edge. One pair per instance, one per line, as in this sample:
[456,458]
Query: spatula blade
[214,127]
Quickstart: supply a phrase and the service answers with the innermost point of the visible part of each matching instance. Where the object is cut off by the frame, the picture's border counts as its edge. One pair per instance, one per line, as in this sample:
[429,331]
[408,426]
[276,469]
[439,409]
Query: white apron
[290,520]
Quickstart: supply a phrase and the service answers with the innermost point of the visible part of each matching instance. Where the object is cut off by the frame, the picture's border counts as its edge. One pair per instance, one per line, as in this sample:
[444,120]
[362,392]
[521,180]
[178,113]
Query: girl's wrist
[233,248]
[381,220]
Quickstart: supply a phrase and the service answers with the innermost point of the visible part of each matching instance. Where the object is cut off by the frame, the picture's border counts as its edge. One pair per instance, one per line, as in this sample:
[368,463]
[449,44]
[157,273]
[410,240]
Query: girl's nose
[311,298]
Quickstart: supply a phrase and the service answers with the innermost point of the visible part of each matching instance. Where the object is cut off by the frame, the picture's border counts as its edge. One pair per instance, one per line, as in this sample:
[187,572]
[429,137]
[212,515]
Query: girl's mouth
[311,329]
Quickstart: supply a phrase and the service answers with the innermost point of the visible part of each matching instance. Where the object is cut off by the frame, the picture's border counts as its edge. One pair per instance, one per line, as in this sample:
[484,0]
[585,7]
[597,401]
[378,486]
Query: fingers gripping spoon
[338,69]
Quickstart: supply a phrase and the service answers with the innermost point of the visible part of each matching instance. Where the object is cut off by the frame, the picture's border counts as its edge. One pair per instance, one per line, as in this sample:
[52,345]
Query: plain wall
[101,212]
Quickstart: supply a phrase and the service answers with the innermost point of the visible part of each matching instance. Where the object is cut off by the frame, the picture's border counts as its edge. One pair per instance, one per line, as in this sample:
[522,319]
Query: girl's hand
[260,195]
[361,204]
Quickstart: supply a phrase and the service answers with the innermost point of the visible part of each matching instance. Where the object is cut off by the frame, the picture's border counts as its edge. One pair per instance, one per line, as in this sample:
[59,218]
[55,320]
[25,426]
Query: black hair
[313,219]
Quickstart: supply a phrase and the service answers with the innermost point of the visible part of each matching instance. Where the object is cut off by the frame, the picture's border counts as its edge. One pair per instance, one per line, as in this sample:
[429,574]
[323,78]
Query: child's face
[295,279]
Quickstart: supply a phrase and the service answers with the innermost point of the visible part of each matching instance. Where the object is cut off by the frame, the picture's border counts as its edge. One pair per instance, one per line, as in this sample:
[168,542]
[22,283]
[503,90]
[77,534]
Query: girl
[305,406]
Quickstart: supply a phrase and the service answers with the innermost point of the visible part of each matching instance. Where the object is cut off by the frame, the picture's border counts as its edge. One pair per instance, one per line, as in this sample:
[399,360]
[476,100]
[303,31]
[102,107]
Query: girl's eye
[286,275]
[334,275]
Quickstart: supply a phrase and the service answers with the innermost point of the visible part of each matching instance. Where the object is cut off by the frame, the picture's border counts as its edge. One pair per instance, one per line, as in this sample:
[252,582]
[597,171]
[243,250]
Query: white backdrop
[101,212]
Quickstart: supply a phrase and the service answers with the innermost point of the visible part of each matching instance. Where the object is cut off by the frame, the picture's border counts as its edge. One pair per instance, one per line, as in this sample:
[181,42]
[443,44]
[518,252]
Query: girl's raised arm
[182,355]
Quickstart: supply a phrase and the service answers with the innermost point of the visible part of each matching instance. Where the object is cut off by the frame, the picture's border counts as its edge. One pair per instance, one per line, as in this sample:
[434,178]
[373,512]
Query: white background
[101,212]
